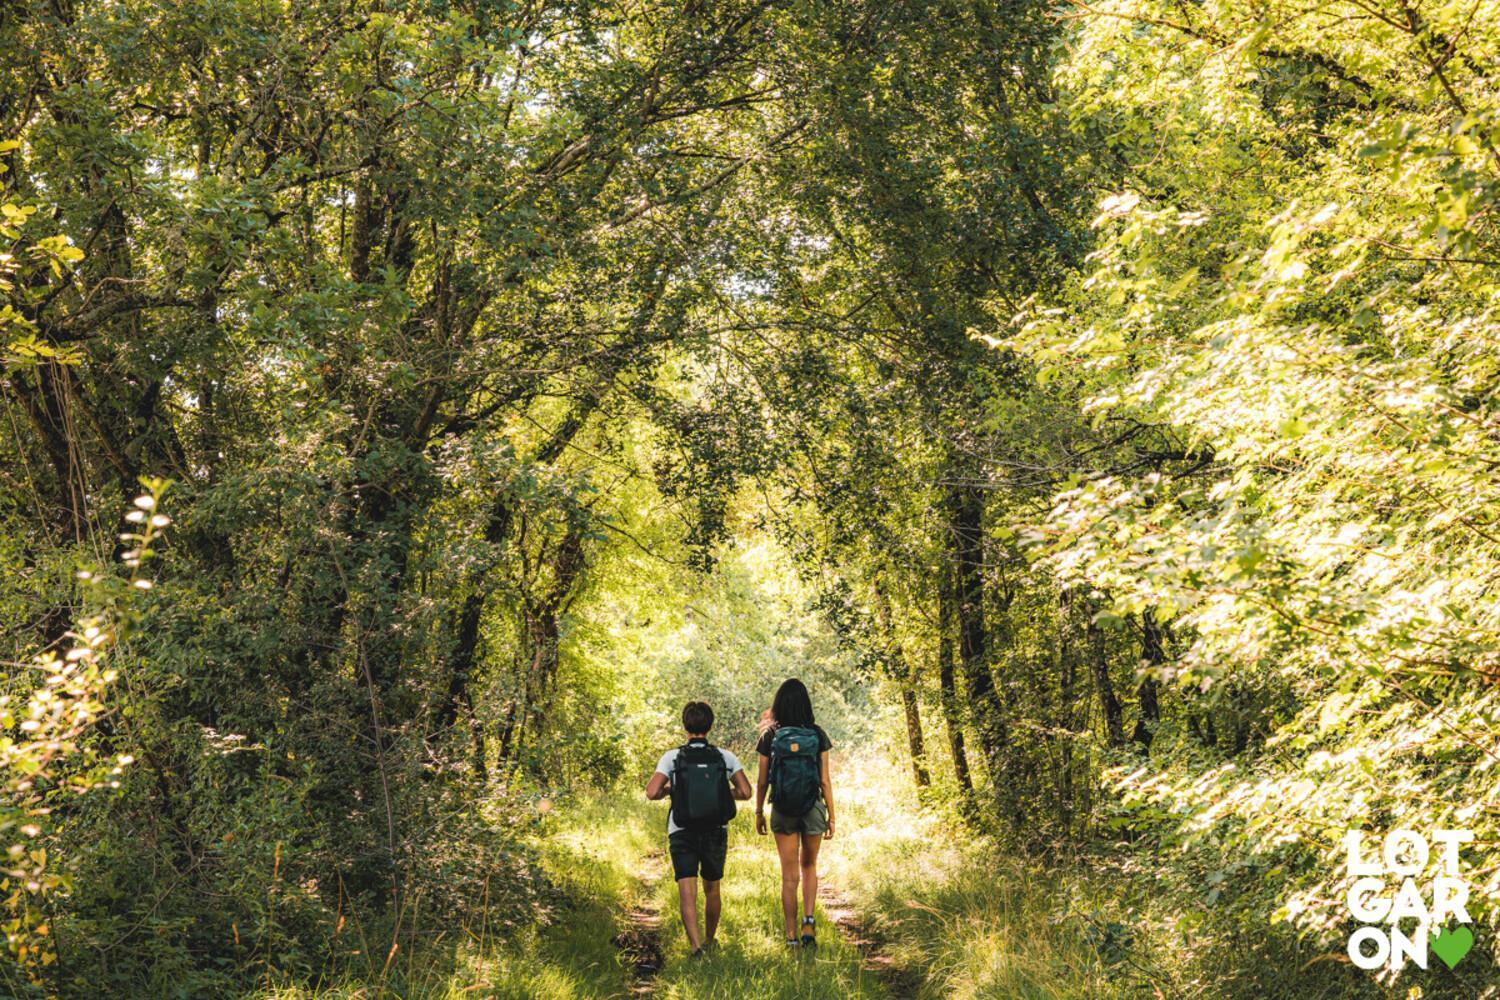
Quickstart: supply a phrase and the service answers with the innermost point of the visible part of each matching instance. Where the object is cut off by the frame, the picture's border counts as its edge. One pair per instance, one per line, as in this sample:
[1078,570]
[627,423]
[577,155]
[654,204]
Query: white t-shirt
[668,759]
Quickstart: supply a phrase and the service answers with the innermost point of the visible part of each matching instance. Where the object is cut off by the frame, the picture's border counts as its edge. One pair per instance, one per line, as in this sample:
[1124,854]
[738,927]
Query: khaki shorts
[811,823]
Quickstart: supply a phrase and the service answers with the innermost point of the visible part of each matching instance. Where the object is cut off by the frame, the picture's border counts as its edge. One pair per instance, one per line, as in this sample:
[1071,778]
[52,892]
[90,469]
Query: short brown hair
[697,717]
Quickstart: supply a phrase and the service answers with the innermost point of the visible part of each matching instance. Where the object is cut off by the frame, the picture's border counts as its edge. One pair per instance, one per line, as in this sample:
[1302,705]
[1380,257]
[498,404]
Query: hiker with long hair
[793,751]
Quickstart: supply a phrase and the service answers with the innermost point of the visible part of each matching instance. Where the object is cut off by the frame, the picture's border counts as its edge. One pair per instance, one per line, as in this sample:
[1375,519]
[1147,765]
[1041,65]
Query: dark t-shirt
[764,746]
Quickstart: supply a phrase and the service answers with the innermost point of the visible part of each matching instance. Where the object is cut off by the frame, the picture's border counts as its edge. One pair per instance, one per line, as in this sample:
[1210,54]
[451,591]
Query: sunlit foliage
[1297,280]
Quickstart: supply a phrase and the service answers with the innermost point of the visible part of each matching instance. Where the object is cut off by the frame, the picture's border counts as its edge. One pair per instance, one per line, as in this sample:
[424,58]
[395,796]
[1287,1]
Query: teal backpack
[796,779]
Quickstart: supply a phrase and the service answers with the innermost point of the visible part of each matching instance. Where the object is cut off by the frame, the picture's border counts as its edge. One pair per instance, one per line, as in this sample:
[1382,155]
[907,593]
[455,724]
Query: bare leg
[809,865]
[711,906]
[786,850]
[687,902]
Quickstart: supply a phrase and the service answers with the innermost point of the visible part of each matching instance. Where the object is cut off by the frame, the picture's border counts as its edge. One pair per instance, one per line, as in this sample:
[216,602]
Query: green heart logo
[1452,945]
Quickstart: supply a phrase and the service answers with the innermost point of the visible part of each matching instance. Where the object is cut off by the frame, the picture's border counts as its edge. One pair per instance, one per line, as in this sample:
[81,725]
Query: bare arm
[741,785]
[658,787]
[762,779]
[827,777]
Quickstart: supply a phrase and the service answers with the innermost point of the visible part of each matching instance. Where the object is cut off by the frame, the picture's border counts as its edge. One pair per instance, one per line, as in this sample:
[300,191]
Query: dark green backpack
[701,799]
[796,779]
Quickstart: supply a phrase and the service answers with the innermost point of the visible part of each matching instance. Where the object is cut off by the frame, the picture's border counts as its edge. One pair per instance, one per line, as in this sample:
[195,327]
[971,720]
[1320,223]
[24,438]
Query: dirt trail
[640,942]
[900,983]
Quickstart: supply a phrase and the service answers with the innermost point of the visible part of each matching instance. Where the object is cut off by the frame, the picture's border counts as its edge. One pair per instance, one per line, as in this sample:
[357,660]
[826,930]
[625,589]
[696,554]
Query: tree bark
[904,672]
[1067,677]
[952,716]
[497,527]
[1153,655]
[541,636]
[46,405]
[966,536]
[1113,715]
[915,745]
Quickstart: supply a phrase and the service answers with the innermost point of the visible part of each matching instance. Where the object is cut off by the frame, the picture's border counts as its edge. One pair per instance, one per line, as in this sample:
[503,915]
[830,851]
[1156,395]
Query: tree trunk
[915,745]
[952,716]
[904,672]
[1108,703]
[1067,677]
[542,634]
[497,527]
[966,535]
[1153,656]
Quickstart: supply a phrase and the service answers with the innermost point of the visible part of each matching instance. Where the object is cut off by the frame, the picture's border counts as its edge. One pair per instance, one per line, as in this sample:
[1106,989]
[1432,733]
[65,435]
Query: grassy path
[752,961]
[910,908]
[640,941]
[900,982]
[901,915]
[622,936]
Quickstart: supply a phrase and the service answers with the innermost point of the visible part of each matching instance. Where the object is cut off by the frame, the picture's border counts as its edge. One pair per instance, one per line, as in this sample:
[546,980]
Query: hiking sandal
[792,942]
[809,937]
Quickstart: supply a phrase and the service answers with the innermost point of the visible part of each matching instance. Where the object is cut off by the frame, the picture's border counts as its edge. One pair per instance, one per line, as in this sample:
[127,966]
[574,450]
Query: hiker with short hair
[704,781]
[793,753]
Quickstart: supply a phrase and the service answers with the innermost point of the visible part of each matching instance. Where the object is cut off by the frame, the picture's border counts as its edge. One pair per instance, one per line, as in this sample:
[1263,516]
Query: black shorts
[695,851]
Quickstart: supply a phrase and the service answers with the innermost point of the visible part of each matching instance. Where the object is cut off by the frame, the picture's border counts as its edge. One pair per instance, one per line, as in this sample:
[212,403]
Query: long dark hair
[792,706]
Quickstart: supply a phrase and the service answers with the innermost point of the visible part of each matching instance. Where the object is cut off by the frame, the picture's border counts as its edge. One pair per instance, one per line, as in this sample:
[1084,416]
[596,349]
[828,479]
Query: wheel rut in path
[900,982]
[640,940]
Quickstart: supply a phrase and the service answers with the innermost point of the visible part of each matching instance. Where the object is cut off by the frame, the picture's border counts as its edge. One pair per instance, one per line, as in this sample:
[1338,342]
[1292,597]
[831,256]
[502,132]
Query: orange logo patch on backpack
[794,748]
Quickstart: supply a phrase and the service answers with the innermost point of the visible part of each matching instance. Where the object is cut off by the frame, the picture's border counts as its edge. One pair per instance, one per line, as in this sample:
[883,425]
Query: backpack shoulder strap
[674,789]
[686,747]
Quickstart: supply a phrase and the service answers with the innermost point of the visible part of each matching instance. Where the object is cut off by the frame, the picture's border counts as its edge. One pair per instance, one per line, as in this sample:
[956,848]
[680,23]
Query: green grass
[612,833]
[752,961]
[590,850]
[966,919]
[947,906]
[593,848]
[983,926]
[980,923]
